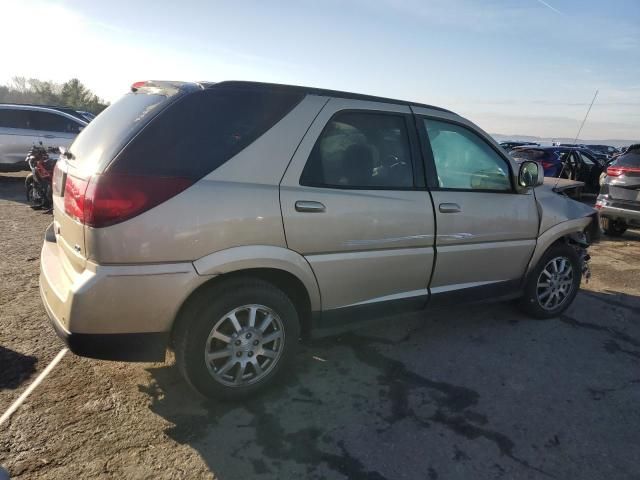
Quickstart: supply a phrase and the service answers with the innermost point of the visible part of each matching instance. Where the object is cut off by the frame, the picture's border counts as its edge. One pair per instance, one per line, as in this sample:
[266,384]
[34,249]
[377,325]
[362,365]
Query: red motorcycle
[41,162]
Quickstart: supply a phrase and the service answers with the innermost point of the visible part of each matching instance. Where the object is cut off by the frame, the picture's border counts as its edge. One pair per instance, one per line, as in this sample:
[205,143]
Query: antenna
[577,136]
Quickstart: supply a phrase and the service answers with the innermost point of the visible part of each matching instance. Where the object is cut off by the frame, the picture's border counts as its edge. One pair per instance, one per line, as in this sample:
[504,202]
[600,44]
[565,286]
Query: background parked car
[566,162]
[509,145]
[619,199]
[606,150]
[23,126]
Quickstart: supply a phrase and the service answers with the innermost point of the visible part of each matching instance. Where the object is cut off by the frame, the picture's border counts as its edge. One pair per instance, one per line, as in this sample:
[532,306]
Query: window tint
[628,160]
[14,118]
[465,161]
[52,122]
[363,150]
[202,130]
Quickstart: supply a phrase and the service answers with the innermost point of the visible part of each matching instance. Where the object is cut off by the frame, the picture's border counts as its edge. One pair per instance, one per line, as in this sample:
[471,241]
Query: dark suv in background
[619,199]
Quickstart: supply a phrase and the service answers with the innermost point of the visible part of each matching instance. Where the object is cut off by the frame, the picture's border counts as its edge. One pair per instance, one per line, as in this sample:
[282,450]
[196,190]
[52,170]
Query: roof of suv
[282,88]
[319,91]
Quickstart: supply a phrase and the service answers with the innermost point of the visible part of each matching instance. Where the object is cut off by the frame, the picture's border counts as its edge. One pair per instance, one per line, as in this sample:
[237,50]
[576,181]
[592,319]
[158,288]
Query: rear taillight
[109,199]
[547,164]
[614,171]
[74,197]
[113,199]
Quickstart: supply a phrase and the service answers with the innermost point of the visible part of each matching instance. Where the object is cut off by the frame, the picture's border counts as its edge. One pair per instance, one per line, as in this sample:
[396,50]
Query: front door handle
[308,206]
[449,208]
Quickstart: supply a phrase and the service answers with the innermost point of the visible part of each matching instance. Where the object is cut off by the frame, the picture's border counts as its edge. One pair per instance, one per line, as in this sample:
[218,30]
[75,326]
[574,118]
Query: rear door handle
[308,206]
[449,208]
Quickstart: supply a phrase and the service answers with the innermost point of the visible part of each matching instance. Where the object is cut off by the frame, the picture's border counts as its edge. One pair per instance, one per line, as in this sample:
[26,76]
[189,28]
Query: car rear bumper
[628,215]
[119,312]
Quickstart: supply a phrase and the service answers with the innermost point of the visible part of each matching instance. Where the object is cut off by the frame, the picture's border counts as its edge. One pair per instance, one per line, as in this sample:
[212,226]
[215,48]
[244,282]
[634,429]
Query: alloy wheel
[555,283]
[244,345]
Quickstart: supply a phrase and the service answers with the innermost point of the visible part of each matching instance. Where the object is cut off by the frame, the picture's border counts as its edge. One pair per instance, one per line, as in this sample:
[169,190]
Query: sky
[526,67]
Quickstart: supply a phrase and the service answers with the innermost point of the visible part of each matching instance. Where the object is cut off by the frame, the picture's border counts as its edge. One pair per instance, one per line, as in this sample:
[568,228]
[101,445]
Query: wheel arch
[562,232]
[284,268]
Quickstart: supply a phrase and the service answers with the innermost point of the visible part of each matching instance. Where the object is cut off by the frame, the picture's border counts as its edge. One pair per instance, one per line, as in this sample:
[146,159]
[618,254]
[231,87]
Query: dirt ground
[470,392]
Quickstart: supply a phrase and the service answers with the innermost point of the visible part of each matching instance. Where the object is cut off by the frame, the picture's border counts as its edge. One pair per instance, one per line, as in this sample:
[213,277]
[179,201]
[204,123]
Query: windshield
[101,140]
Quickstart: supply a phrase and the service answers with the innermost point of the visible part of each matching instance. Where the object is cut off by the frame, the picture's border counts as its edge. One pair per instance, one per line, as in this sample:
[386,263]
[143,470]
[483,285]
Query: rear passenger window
[51,122]
[14,119]
[203,130]
[464,161]
[361,150]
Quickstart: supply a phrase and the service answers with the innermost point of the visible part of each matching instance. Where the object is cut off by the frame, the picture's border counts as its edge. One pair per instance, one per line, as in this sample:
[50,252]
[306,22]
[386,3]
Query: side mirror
[531,174]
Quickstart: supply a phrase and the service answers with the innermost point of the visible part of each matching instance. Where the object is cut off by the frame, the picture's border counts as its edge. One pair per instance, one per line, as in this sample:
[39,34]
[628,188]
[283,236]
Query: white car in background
[22,126]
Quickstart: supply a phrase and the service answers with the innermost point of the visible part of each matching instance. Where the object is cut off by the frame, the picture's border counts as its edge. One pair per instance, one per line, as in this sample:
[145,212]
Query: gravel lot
[475,392]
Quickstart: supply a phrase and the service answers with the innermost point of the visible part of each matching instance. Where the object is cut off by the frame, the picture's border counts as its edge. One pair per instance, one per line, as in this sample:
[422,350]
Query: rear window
[202,130]
[100,141]
[628,160]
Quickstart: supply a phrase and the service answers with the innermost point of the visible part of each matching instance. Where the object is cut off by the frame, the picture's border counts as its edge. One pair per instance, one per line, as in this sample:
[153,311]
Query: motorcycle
[38,183]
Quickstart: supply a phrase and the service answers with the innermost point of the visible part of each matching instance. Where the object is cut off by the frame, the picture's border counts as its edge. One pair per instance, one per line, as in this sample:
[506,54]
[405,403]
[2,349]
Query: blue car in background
[574,163]
[548,157]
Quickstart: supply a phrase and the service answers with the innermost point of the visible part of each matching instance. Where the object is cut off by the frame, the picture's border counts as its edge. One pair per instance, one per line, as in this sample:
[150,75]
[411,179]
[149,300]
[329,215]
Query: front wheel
[553,283]
[236,339]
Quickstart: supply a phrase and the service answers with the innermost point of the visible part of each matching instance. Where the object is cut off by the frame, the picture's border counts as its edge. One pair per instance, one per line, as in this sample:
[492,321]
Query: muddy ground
[472,392]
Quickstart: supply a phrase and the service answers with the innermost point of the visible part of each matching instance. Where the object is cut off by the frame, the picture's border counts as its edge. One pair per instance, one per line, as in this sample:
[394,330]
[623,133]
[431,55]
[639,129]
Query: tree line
[40,92]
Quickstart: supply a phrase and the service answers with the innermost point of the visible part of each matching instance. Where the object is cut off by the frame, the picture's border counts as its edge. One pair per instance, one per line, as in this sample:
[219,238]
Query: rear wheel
[553,283]
[237,339]
[611,227]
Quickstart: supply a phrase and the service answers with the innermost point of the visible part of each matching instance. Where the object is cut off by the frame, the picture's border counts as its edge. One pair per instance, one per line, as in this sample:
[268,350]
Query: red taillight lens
[74,197]
[105,200]
[112,199]
[547,164]
[614,171]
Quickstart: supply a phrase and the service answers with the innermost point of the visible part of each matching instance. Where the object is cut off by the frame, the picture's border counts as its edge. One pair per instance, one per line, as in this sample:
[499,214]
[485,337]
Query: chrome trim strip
[394,296]
[461,286]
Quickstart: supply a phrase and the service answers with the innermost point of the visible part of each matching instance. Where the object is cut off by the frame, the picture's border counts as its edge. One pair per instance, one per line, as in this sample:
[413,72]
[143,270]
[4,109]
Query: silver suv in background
[226,220]
[22,126]
[619,199]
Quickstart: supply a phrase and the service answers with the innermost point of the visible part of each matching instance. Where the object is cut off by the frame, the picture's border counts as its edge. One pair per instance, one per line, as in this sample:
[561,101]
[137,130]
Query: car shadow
[16,368]
[629,235]
[422,396]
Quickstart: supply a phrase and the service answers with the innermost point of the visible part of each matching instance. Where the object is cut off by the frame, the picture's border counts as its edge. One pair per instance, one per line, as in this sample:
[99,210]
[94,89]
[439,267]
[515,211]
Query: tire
[613,228]
[212,311]
[30,186]
[534,302]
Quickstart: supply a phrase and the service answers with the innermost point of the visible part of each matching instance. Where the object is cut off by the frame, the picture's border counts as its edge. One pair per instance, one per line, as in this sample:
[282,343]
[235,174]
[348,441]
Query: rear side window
[361,150]
[203,130]
[464,161]
[14,119]
[52,122]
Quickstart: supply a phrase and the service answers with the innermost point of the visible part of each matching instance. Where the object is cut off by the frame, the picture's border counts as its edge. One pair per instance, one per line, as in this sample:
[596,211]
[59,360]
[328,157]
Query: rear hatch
[92,151]
[624,181]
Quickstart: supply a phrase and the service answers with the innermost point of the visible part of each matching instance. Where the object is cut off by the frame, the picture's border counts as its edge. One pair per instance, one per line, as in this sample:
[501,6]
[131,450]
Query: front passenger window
[361,150]
[464,161]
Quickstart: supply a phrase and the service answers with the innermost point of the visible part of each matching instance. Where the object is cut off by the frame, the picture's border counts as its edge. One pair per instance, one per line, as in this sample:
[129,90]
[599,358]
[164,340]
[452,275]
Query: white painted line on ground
[6,415]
